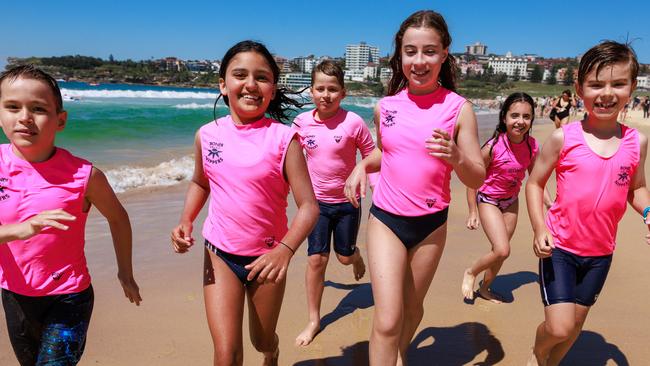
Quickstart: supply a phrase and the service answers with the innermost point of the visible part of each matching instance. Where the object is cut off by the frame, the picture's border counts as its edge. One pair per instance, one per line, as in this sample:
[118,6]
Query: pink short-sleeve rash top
[508,166]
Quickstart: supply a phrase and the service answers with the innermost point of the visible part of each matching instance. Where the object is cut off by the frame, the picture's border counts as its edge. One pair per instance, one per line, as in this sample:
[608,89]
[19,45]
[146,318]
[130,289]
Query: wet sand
[169,328]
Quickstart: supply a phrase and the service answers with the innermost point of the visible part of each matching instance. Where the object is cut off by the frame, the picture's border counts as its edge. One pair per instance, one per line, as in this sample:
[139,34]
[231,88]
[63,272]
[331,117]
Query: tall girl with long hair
[424,131]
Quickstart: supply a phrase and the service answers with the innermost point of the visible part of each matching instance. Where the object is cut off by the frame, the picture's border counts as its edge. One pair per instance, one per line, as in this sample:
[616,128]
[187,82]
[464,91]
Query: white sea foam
[198,106]
[148,94]
[164,174]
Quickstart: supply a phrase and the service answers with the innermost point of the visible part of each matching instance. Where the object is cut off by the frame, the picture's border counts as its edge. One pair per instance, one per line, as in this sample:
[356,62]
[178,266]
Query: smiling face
[30,117]
[249,86]
[518,121]
[327,95]
[605,93]
[422,57]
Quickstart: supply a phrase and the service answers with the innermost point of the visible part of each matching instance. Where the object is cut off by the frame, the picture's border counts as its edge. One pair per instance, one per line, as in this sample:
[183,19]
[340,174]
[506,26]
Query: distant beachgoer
[508,154]
[599,167]
[245,163]
[45,196]
[562,106]
[424,131]
[330,137]
[646,107]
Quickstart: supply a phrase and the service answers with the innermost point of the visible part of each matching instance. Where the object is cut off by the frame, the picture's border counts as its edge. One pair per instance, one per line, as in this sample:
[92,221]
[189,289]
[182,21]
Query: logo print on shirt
[269,241]
[3,195]
[214,152]
[623,176]
[310,142]
[389,118]
[338,139]
[430,202]
[56,276]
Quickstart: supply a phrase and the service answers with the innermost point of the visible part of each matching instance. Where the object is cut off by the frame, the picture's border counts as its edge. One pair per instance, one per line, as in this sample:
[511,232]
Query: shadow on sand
[359,297]
[506,284]
[451,346]
[593,350]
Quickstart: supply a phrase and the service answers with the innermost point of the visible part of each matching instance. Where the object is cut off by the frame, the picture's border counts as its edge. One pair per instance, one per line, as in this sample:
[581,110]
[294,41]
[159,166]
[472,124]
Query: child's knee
[388,324]
[232,357]
[318,261]
[346,260]
[561,331]
[502,253]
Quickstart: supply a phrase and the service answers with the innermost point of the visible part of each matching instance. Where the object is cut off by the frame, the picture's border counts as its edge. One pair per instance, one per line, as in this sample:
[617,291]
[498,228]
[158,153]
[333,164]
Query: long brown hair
[422,19]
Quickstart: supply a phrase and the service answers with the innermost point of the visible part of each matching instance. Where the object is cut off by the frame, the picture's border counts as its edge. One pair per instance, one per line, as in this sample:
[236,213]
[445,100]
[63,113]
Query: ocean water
[142,135]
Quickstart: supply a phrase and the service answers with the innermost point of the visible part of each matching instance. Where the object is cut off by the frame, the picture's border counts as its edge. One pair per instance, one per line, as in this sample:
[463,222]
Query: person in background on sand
[424,131]
[599,166]
[45,196]
[246,163]
[330,137]
[646,106]
[562,106]
[508,154]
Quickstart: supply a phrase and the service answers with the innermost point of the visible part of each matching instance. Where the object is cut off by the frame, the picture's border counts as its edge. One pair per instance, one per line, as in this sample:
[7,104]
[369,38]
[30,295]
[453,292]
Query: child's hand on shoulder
[272,266]
[45,219]
[130,287]
[442,146]
[182,238]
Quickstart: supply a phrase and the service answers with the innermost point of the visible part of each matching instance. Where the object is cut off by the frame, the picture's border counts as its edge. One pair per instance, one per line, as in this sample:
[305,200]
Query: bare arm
[473,221]
[463,151]
[356,182]
[197,193]
[544,165]
[548,202]
[100,194]
[638,195]
[272,266]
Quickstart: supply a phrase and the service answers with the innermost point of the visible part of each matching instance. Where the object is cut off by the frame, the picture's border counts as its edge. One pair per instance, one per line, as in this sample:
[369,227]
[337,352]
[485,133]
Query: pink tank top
[52,262]
[331,150]
[412,182]
[248,191]
[591,192]
[508,166]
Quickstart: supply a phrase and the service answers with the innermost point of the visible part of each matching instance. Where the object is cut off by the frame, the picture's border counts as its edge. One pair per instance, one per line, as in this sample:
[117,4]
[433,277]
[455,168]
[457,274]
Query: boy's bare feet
[490,296]
[307,335]
[358,267]
[467,286]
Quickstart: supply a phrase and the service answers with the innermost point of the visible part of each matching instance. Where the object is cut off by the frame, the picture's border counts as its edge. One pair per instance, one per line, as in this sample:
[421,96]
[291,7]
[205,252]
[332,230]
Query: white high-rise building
[357,56]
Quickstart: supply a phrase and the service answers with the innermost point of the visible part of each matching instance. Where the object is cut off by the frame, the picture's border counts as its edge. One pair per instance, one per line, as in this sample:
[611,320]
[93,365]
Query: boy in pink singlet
[508,154]
[424,131]
[330,137]
[45,196]
[245,164]
[599,167]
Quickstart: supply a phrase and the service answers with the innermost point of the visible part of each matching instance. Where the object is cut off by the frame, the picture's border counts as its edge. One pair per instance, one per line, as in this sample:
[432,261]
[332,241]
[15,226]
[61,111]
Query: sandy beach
[169,328]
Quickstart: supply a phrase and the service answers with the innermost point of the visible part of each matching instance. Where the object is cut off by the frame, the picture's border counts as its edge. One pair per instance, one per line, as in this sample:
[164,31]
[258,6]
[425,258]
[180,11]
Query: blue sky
[205,29]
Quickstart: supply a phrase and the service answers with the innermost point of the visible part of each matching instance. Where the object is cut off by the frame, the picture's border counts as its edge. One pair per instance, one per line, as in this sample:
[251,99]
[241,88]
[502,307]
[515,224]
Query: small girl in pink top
[424,131]
[245,164]
[507,154]
[45,196]
[599,167]
[331,137]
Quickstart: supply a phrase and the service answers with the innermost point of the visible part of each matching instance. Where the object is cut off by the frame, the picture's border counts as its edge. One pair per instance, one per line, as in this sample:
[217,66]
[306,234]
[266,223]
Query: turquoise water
[142,135]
